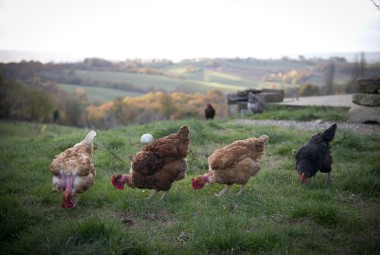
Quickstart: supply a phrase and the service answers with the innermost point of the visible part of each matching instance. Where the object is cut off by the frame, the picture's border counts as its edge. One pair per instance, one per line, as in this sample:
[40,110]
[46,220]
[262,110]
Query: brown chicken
[235,163]
[73,171]
[158,164]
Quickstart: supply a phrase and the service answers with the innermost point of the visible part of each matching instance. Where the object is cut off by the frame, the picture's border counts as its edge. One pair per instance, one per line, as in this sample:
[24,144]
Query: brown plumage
[73,171]
[233,164]
[158,164]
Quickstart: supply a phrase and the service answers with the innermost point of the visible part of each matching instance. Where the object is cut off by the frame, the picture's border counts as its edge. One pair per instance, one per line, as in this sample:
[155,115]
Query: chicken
[73,171]
[254,103]
[233,164]
[209,112]
[315,155]
[158,164]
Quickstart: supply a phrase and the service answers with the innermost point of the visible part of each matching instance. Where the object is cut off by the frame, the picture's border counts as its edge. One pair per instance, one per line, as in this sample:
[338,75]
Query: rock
[271,97]
[368,85]
[364,81]
[361,114]
[369,88]
[366,99]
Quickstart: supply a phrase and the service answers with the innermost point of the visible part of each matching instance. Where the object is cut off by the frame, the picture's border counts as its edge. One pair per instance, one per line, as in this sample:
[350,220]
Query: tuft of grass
[322,213]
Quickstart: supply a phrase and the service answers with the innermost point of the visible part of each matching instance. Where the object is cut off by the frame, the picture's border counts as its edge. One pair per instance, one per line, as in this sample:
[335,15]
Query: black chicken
[315,155]
[209,112]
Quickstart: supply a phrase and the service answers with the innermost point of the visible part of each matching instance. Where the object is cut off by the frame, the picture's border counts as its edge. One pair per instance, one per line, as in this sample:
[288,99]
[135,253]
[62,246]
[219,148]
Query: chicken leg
[226,189]
[164,195]
[242,188]
[154,194]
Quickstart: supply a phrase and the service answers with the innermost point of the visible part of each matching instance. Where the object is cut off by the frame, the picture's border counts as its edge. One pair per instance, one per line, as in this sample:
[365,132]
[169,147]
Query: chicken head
[119,180]
[199,182]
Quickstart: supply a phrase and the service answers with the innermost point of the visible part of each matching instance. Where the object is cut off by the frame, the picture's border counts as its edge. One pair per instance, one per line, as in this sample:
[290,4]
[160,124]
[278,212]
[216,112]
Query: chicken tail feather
[262,139]
[328,134]
[90,137]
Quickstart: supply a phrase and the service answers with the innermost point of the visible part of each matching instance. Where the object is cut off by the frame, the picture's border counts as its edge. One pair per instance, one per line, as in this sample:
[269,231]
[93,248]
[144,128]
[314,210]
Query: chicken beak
[117,183]
[304,179]
[196,184]
[67,201]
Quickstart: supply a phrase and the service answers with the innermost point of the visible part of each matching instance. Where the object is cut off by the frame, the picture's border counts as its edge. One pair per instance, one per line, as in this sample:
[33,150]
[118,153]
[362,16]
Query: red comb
[116,183]
[196,185]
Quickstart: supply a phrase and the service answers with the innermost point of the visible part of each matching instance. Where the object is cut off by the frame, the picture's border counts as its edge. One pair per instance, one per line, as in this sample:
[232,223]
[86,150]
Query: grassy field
[276,215]
[94,94]
[159,82]
[283,112]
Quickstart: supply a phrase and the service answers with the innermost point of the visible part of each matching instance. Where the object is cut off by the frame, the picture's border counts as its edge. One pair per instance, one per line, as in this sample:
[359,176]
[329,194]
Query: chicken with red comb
[158,164]
[233,164]
[73,170]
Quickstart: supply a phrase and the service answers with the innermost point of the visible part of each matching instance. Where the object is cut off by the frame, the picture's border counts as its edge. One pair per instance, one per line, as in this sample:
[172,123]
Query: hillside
[276,214]
[137,77]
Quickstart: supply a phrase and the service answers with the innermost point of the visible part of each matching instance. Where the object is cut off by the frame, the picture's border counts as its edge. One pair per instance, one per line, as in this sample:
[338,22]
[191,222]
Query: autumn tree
[308,90]
[167,106]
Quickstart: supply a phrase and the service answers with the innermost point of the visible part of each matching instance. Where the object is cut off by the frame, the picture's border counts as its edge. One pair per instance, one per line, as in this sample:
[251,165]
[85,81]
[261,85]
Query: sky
[181,29]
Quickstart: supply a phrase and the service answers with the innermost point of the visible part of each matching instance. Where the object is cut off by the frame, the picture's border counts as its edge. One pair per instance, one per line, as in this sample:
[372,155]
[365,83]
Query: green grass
[159,82]
[276,215]
[280,112]
[94,94]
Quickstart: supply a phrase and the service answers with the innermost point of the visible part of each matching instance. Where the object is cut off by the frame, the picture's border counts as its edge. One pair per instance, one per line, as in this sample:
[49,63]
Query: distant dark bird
[209,112]
[254,103]
[315,155]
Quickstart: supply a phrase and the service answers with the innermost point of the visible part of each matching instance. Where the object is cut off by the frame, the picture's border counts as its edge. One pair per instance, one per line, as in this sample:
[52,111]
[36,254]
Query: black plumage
[315,155]
[209,112]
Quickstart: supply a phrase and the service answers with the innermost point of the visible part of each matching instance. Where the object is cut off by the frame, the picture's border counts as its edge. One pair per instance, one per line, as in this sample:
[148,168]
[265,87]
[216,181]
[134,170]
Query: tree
[10,96]
[38,106]
[358,71]
[167,106]
[74,111]
[329,78]
[308,90]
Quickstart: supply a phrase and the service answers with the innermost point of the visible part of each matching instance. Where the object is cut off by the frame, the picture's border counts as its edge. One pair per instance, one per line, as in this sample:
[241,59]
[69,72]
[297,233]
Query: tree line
[46,102]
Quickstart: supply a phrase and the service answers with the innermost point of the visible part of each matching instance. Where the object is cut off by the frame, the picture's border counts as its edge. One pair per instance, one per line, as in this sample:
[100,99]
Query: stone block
[366,99]
[361,114]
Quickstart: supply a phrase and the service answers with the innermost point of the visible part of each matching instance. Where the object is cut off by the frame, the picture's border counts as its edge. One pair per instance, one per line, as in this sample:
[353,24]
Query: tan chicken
[158,164]
[235,163]
[73,171]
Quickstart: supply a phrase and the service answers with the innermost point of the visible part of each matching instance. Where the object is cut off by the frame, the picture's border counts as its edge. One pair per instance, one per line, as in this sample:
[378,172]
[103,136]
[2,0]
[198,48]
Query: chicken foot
[76,200]
[226,189]
[242,188]
[164,195]
[154,194]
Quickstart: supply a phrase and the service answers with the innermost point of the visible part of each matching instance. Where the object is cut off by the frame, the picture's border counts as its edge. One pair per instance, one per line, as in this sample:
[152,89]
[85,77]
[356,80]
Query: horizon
[15,56]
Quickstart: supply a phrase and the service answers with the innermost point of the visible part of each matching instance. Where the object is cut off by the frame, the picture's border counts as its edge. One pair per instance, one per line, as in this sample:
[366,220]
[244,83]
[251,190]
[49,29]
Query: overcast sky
[179,29]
